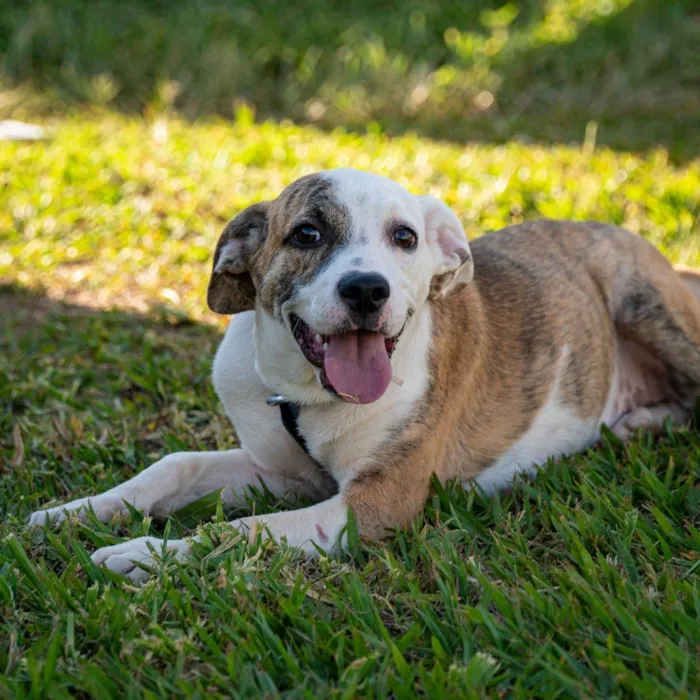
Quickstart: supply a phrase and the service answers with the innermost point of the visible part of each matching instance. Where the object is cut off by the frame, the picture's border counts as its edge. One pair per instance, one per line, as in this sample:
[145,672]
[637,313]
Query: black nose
[364,292]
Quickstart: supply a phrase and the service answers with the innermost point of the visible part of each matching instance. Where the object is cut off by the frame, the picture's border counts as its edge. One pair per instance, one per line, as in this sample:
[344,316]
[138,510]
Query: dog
[371,347]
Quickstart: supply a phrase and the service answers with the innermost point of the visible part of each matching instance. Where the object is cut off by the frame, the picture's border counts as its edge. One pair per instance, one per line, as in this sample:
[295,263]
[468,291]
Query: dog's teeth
[325,347]
[318,338]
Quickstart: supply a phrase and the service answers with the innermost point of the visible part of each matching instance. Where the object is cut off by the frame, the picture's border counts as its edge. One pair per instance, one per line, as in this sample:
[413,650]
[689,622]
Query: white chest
[344,437]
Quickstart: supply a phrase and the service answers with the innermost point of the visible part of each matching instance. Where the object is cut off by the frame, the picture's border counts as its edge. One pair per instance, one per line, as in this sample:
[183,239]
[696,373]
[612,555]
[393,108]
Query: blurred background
[532,70]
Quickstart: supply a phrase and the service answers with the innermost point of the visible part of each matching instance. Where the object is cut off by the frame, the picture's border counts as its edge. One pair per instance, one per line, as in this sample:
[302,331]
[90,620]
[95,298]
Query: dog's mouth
[355,365]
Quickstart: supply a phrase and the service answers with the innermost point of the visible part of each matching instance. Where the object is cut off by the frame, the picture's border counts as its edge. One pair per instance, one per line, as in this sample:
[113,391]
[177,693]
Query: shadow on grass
[88,397]
[461,71]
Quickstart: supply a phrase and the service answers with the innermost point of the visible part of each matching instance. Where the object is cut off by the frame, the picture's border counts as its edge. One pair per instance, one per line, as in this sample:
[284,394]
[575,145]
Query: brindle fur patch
[277,269]
[273,269]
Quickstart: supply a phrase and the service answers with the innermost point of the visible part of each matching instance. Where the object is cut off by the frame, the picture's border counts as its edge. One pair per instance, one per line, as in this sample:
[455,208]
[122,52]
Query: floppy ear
[231,289]
[453,264]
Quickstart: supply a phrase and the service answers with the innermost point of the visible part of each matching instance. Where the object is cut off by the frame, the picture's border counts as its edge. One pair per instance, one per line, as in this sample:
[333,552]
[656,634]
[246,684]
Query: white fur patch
[374,204]
[344,437]
[555,431]
[317,527]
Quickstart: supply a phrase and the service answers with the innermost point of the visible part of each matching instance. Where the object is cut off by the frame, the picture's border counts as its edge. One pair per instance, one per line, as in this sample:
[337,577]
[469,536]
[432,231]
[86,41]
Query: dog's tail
[691,277]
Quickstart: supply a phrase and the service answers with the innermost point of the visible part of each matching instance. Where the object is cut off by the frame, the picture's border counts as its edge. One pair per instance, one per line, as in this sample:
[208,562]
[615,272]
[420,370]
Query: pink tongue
[357,366]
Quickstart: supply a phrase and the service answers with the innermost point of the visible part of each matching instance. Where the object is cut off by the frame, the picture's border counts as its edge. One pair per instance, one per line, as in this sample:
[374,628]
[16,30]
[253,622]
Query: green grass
[480,70]
[582,583]
[108,214]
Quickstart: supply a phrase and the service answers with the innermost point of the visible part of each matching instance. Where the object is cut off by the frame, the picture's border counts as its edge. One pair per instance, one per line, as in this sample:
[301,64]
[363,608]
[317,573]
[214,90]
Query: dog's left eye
[306,236]
[405,238]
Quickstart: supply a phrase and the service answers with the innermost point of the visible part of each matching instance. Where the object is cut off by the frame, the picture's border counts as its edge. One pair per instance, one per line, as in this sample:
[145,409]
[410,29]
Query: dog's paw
[104,507]
[650,418]
[125,558]
[309,537]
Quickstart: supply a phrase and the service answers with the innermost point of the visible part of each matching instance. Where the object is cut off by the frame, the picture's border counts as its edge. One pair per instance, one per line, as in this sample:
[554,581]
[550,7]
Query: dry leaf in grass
[18,456]
[62,430]
[76,425]
[253,534]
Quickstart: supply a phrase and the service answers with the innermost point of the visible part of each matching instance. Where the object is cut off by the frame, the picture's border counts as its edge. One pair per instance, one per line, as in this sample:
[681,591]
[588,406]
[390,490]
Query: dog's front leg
[313,529]
[320,525]
[172,483]
[381,500]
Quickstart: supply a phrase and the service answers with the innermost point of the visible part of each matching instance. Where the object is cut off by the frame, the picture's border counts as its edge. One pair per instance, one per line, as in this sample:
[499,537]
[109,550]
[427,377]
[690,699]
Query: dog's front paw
[290,527]
[105,508]
[125,558]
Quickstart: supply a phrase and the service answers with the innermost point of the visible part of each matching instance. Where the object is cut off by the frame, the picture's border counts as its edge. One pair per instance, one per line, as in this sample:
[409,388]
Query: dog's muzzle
[355,364]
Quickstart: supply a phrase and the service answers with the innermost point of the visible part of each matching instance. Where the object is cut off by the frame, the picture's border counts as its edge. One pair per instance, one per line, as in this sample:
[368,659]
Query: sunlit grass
[118,211]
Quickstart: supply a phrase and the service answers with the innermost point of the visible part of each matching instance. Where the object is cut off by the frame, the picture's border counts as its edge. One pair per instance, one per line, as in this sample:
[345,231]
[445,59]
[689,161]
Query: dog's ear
[453,265]
[231,289]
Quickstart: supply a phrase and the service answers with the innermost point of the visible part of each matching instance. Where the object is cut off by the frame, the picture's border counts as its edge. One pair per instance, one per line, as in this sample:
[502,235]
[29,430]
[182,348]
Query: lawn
[582,583]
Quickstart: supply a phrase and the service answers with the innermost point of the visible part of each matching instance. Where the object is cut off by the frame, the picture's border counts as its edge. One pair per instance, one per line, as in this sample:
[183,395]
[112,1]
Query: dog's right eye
[305,236]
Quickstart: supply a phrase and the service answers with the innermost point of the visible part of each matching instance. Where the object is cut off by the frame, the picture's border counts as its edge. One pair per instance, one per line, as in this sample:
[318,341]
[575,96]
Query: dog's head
[341,260]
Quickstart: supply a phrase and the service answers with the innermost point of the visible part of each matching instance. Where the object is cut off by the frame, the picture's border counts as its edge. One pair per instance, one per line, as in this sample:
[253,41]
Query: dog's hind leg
[660,312]
[656,312]
[651,418]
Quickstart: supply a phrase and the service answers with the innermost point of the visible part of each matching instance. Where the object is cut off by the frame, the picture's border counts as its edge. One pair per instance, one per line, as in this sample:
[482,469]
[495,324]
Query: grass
[487,69]
[582,583]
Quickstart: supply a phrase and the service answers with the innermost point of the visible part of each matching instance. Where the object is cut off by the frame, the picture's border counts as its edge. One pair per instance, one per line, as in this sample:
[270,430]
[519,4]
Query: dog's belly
[639,380]
[556,430]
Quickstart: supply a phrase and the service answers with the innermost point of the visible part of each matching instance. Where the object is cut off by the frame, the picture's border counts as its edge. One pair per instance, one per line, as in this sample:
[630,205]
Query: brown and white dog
[504,355]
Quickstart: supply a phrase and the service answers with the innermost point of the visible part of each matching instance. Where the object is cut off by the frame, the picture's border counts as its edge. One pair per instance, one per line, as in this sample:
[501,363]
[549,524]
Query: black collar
[289,412]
